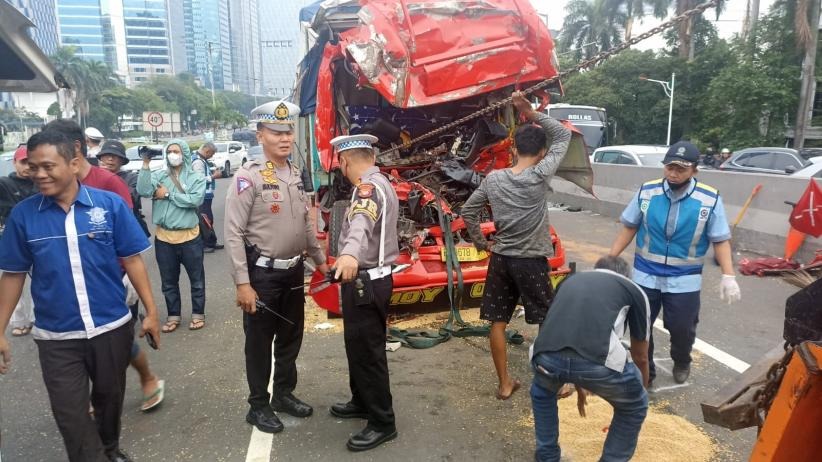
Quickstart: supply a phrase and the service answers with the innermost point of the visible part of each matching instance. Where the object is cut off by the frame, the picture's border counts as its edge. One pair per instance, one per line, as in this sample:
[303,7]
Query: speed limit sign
[155,119]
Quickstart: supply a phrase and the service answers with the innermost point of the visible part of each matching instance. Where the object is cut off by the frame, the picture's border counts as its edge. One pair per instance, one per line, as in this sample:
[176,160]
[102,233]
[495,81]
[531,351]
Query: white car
[811,171]
[630,154]
[135,162]
[230,156]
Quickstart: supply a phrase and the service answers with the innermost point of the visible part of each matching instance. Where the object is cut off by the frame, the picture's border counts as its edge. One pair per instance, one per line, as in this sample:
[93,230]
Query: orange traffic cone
[793,242]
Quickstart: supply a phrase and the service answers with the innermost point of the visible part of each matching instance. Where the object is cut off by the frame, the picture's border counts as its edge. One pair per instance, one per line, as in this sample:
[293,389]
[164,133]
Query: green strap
[422,338]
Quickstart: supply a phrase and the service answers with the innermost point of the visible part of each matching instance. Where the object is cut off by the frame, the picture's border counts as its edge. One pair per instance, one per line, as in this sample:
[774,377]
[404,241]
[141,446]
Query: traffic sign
[155,119]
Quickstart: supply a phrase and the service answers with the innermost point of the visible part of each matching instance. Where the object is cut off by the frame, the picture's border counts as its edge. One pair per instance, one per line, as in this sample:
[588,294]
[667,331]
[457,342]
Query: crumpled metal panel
[423,52]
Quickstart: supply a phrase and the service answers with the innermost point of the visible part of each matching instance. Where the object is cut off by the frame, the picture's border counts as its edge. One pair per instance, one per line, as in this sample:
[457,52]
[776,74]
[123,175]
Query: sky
[729,23]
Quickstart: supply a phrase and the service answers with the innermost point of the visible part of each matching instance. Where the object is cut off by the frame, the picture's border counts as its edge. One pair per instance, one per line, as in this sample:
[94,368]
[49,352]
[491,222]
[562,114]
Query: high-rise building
[42,14]
[177,35]
[207,35]
[82,25]
[280,45]
[147,44]
[245,46]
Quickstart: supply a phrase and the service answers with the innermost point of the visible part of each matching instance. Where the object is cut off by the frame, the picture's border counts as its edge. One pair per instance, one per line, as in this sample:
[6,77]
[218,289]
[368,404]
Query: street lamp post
[669,92]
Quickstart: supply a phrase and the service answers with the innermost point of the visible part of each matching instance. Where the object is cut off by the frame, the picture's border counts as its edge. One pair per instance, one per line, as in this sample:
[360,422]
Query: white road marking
[259,447]
[669,387]
[706,348]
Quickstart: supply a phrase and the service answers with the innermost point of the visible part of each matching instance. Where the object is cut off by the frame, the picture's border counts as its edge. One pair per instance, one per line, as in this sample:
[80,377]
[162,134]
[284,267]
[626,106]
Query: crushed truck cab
[401,69]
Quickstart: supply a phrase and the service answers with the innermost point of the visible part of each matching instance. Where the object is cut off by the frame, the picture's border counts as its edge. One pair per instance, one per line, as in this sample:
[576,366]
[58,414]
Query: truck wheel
[227,169]
[335,227]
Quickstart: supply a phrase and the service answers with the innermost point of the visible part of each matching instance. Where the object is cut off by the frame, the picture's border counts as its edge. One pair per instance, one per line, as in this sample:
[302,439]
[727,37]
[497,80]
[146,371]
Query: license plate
[466,254]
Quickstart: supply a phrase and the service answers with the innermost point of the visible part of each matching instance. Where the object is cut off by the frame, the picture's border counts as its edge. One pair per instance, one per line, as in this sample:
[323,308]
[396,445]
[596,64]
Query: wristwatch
[165,196]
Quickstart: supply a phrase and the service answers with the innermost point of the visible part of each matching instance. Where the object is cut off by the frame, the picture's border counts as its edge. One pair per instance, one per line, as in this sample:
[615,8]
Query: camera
[147,152]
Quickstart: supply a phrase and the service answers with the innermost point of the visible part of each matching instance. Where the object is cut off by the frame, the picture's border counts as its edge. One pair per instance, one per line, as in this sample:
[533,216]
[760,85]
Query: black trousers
[680,315]
[365,349]
[68,366]
[206,208]
[275,288]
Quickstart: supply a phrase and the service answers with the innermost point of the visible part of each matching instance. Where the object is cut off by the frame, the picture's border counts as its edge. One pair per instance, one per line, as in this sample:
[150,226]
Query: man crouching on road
[73,239]
[579,343]
[522,244]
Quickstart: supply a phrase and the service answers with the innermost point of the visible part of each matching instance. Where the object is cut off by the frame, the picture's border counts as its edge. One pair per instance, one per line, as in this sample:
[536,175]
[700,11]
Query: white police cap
[94,134]
[345,142]
[277,115]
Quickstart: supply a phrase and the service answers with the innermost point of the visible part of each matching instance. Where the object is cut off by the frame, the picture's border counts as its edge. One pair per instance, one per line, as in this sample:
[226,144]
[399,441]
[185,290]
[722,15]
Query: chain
[764,397]
[699,9]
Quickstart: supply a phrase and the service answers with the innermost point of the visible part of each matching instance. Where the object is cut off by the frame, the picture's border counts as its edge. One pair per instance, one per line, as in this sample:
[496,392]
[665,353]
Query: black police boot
[265,420]
[118,456]
[290,404]
[370,438]
[681,372]
[348,411]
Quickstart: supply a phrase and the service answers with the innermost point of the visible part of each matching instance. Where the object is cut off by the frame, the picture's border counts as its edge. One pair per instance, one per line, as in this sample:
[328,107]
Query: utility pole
[807,91]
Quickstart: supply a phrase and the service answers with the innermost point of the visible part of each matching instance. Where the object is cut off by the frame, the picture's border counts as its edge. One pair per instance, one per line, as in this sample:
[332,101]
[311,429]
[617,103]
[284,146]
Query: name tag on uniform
[271,187]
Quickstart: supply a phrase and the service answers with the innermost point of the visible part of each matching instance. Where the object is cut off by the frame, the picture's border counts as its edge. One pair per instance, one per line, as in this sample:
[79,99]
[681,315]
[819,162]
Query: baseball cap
[682,153]
[94,134]
[21,153]
[113,147]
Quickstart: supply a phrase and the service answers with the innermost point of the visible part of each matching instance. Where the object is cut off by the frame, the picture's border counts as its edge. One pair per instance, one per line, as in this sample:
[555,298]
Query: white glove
[729,289]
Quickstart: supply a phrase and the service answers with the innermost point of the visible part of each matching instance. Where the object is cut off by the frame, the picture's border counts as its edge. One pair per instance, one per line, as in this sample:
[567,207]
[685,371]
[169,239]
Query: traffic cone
[793,242]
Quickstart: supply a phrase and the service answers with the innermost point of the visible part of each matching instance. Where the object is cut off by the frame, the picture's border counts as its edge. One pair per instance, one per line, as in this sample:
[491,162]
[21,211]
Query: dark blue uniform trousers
[680,315]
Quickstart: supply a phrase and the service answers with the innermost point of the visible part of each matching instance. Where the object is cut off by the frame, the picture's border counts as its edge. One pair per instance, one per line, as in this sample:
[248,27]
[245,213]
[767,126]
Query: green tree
[592,26]
[86,78]
[637,9]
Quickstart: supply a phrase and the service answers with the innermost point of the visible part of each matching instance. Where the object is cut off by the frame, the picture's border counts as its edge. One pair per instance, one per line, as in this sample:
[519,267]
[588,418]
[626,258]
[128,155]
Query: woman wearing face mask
[176,193]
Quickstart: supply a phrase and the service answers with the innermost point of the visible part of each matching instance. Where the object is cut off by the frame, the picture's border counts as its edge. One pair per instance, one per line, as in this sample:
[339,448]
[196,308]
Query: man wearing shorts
[518,197]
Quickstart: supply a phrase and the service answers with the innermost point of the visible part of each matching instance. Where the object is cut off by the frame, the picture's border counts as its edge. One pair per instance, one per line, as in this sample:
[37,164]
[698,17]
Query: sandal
[170,326]
[196,324]
[21,331]
[154,399]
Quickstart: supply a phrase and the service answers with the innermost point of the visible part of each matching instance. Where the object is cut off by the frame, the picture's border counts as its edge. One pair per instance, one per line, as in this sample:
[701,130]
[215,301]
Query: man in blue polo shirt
[675,219]
[74,239]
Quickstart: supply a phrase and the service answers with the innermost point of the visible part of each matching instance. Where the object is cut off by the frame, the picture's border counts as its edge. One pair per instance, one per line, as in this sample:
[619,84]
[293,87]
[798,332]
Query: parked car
[135,162]
[814,170]
[255,152]
[230,156]
[780,161]
[6,163]
[631,154]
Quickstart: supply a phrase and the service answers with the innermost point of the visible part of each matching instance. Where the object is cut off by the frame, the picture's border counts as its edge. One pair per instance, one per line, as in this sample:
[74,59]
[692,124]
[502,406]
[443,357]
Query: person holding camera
[267,231]
[176,193]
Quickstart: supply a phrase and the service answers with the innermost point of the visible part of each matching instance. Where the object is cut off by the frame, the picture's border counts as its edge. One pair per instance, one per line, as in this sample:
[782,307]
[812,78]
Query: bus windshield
[592,122]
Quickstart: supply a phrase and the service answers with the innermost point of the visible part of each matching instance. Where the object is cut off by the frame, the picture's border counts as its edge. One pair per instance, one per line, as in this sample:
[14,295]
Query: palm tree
[592,26]
[685,31]
[87,78]
[636,9]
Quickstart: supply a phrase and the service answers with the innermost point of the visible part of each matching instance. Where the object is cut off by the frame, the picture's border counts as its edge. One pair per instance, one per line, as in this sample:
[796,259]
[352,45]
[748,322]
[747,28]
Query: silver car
[630,154]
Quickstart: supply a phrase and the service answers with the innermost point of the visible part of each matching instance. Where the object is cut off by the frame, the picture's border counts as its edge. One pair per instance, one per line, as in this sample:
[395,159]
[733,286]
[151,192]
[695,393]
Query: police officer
[267,230]
[368,246]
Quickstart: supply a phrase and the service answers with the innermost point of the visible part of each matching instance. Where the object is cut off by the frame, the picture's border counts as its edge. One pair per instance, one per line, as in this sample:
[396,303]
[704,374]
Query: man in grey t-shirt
[518,197]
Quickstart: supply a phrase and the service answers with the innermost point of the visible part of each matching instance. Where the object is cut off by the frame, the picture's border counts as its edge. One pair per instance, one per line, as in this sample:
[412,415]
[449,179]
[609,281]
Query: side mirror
[232,150]
[790,169]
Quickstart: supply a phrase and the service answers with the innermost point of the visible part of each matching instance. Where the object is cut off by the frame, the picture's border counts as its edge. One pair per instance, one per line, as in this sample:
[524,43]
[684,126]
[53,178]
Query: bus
[592,121]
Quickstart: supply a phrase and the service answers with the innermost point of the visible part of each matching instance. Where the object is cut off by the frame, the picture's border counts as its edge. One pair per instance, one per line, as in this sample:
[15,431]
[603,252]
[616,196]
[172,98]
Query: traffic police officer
[267,231]
[368,246]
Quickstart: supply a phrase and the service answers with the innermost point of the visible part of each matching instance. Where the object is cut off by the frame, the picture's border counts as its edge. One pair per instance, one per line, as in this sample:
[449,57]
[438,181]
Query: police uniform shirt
[373,200]
[74,260]
[272,212]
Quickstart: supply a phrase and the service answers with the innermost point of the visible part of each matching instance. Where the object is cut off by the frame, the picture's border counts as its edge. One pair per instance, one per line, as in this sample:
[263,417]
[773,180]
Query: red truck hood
[423,52]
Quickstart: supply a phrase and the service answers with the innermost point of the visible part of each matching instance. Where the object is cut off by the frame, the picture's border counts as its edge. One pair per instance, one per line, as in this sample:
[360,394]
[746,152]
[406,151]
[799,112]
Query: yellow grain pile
[663,437]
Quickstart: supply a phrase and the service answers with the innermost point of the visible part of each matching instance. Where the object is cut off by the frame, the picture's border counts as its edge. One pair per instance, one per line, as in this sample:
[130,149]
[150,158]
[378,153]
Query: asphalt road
[443,396]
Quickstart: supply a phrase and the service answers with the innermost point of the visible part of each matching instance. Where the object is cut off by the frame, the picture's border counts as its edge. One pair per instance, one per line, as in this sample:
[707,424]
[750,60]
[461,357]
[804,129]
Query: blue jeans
[623,390]
[169,258]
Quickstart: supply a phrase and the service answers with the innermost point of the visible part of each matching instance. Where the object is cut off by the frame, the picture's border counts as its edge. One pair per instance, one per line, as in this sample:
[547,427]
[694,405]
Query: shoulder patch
[243,184]
[365,207]
[365,190]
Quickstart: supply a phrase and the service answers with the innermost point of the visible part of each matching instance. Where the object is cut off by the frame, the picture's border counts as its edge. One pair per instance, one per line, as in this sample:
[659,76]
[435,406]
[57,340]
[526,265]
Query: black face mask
[678,186]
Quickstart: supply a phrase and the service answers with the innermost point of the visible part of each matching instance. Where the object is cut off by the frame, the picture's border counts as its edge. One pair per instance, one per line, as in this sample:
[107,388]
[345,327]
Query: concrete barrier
[762,229]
